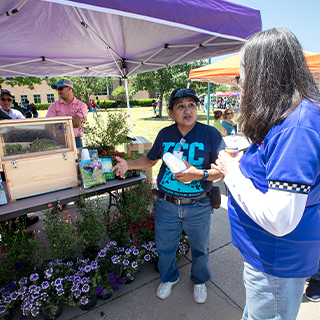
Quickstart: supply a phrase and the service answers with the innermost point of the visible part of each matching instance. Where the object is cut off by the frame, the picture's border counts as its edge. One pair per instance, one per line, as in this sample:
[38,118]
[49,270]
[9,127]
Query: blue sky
[300,17]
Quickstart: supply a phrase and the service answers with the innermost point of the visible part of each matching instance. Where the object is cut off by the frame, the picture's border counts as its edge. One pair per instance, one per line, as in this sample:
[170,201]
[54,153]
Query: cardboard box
[140,146]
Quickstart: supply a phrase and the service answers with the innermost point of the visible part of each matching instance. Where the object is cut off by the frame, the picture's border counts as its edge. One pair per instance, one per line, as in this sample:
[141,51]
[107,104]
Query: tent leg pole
[209,98]
[128,105]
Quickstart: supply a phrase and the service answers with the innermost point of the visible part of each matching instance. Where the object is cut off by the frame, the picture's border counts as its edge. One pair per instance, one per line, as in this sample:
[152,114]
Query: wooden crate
[29,167]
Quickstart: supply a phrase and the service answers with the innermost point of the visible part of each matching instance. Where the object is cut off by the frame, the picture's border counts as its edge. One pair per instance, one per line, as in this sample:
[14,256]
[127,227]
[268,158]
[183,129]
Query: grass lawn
[145,125]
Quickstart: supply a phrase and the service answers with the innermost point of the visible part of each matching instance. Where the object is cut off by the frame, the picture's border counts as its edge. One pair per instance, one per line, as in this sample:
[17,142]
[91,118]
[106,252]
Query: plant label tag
[178,154]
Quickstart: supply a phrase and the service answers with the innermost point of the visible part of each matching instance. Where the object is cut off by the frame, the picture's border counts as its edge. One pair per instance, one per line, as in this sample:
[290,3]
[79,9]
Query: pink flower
[130,204]
[49,205]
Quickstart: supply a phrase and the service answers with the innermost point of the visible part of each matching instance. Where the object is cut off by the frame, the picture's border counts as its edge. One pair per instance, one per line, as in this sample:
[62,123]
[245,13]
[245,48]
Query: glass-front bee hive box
[37,155]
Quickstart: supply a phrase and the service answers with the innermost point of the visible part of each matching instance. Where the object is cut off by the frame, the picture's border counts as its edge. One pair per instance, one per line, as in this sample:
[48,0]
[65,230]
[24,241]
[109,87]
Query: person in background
[105,105]
[34,110]
[26,109]
[227,123]
[94,108]
[183,201]
[68,105]
[5,104]
[154,106]
[90,105]
[274,191]
[216,122]
[16,106]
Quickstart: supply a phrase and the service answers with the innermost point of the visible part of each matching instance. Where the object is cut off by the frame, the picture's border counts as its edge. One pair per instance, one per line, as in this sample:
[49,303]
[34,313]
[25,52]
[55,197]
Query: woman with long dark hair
[274,196]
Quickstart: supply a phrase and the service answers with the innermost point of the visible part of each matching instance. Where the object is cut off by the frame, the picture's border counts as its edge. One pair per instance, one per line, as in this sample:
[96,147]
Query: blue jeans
[316,276]
[269,297]
[194,219]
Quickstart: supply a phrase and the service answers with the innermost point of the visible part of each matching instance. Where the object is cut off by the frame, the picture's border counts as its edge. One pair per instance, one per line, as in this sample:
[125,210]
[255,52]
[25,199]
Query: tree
[21,81]
[120,94]
[83,87]
[166,79]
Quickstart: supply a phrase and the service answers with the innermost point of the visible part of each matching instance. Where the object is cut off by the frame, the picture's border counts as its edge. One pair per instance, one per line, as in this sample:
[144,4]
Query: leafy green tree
[21,81]
[167,79]
[119,93]
[83,87]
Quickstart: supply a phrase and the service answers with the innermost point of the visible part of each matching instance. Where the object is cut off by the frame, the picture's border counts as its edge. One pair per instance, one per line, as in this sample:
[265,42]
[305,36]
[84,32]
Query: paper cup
[232,151]
[175,165]
[85,155]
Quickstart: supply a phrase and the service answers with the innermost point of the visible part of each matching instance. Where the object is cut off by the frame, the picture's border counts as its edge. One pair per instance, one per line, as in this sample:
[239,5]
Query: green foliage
[89,224]
[103,134]
[42,106]
[61,233]
[119,93]
[83,87]
[141,102]
[134,219]
[167,79]
[21,81]
[20,249]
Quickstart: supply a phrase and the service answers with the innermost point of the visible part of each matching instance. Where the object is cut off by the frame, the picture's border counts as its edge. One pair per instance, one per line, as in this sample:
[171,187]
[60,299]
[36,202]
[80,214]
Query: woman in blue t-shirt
[183,201]
[274,196]
[227,123]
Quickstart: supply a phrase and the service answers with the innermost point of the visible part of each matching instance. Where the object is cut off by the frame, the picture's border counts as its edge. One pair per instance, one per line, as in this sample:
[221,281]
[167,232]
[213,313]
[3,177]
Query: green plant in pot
[20,250]
[64,242]
[90,226]
[107,134]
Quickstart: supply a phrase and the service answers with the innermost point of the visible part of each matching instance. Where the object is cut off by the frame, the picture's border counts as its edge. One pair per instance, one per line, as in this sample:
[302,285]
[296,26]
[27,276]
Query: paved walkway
[226,295]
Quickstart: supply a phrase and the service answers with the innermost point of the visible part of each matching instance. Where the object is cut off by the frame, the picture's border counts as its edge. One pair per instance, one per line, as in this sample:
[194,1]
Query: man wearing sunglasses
[68,105]
[5,104]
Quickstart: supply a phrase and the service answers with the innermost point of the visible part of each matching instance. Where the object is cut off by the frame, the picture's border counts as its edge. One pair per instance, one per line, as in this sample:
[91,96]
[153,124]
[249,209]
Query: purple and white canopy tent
[47,38]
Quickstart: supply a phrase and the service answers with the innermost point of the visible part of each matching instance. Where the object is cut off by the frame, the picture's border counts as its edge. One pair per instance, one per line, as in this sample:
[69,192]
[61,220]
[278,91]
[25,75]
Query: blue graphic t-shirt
[201,148]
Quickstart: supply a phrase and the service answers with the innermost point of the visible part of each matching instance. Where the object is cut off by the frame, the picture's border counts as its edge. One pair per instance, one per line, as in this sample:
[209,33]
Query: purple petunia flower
[23,281]
[99,291]
[32,288]
[87,269]
[147,257]
[94,265]
[34,277]
[60,293]
[2,310]
[112,277]
[35,311]
[125,262]
[120,281]
[59,287]
[134,264]
[74,288]
[85,280]
[57,282]
[115,259]
[85,288]
[48,273]
[128,251]
[135,252]
[77,294]
[84,301]
[115,288]
[45,285]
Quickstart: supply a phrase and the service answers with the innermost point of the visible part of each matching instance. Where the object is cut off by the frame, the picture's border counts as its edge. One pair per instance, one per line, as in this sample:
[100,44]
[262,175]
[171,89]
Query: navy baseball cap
[181,93]
[62,83]
[5,91]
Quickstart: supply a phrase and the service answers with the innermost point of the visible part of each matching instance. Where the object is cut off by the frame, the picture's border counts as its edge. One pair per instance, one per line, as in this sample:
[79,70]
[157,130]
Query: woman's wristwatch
[205,175]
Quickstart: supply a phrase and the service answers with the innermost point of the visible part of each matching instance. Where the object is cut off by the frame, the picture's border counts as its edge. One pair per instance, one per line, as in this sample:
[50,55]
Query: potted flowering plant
[133,220]
[109,278]
[90,227]
[61,233]
[9,297]
[41,294]
[20,250]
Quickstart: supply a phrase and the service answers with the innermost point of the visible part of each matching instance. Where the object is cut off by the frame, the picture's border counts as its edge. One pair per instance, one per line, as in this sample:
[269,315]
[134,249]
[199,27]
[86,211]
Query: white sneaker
[164,289]
[200,293]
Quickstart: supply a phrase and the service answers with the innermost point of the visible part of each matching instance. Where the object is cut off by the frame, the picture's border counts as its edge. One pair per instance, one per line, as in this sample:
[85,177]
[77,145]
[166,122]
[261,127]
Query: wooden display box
[140,146]
[37,155]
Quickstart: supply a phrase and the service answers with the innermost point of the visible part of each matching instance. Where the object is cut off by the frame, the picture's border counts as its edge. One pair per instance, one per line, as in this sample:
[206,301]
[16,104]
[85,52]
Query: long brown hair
[276,79]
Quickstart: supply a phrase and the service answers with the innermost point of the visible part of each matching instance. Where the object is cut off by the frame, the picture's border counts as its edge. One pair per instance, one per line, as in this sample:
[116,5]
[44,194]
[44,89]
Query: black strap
[178,200]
